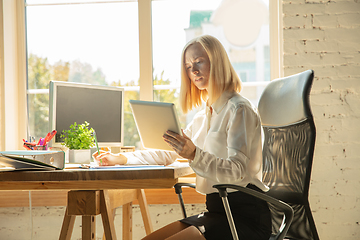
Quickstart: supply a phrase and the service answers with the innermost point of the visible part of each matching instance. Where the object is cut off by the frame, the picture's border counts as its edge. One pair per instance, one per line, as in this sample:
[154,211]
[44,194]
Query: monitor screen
[100,106]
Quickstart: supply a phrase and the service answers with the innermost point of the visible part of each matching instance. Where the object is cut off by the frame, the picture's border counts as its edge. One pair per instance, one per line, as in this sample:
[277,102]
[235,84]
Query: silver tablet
[153,119]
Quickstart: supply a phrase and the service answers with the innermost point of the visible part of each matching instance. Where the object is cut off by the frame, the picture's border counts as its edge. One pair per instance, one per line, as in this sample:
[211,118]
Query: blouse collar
[219,104]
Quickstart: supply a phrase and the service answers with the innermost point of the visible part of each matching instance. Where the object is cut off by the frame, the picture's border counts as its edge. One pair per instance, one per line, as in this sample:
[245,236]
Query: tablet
[152,120]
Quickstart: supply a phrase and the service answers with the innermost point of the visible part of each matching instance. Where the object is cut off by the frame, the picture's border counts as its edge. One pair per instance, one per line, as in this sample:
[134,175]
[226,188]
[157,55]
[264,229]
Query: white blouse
[228,145]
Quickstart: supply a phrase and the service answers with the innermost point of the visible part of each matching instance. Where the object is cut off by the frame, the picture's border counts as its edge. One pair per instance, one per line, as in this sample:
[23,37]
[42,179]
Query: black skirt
[251,216]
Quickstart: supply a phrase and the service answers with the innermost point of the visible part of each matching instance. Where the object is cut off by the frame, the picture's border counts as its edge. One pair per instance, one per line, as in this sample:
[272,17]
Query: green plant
[79,136]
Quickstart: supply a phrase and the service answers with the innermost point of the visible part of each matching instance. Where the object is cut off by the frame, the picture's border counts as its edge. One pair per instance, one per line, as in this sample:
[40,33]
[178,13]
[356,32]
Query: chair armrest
[254,193]
[178,191]
[178,186]
[287,210]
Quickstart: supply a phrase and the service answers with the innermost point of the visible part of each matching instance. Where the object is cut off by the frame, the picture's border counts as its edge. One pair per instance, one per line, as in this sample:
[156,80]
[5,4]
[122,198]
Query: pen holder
[31,146]
[40,147]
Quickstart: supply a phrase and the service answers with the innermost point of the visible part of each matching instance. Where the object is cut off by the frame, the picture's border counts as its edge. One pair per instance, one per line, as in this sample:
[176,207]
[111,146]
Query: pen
[28,148]
[49,136]
[97,147]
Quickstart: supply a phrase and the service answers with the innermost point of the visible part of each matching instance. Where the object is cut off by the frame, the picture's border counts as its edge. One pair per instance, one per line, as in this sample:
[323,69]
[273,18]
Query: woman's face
[197,65]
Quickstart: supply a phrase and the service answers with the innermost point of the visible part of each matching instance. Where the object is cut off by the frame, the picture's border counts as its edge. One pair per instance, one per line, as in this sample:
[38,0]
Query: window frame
[13,114]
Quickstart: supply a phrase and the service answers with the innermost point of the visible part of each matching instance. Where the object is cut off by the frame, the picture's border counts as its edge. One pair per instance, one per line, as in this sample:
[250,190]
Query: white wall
[325,36]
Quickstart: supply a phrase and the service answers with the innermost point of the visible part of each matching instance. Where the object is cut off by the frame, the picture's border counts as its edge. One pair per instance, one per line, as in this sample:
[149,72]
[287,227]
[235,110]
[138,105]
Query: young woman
[222,144]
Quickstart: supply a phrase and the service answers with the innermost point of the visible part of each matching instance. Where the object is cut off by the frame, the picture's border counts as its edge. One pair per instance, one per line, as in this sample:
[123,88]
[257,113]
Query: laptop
[152,120]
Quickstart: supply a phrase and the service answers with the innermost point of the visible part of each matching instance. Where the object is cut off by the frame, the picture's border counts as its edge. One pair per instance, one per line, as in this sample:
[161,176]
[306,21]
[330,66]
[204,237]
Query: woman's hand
[109,159]
[182,145]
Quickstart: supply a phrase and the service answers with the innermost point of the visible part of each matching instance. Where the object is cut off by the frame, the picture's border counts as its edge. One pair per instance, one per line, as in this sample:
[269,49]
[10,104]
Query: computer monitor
[101,106]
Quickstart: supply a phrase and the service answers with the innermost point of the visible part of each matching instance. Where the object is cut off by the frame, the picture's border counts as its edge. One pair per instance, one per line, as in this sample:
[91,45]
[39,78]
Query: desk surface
[95,179]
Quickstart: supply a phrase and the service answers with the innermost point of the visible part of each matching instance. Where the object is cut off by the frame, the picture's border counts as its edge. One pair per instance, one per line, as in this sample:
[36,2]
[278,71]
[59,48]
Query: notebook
[152,120]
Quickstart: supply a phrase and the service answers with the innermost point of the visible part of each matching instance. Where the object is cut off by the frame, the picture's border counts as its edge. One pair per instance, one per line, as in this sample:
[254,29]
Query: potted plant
[78,139]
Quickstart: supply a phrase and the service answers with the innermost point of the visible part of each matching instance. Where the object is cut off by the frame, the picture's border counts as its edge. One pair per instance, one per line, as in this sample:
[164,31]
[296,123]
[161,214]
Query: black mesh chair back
[289,139]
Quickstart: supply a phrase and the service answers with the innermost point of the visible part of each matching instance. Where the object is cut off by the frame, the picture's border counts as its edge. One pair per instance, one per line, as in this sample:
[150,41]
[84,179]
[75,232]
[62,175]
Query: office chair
[288,148]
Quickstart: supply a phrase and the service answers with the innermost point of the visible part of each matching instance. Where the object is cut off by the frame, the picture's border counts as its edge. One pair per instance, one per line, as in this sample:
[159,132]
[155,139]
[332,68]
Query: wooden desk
[98,182]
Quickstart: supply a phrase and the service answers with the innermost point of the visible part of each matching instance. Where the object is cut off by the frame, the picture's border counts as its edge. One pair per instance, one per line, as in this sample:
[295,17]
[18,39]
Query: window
[87,42]
[241,26]
[97,41]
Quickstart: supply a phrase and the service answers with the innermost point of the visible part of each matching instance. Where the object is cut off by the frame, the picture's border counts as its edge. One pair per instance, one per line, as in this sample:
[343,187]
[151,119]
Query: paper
[93,166]
[126,166]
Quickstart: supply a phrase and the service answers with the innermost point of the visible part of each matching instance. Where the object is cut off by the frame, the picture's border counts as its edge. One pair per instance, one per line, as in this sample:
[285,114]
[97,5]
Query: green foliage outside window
[40,73]
[131,135]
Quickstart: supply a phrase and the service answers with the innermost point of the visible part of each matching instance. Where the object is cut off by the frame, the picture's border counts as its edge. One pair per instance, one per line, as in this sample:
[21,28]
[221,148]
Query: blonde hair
[222,75]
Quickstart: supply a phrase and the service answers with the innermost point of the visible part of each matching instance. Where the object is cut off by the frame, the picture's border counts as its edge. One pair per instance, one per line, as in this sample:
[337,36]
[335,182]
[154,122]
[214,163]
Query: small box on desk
[31,160]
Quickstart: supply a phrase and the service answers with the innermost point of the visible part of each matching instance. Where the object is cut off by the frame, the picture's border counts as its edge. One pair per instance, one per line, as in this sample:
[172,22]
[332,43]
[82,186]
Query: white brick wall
[45,222]
[325,36]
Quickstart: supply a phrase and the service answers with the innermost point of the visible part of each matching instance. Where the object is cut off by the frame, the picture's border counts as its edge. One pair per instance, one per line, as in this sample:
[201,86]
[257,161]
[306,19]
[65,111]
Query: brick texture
[325,36]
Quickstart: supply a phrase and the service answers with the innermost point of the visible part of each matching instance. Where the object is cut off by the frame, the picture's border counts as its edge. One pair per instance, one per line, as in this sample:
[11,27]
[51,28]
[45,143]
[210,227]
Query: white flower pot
[82,156]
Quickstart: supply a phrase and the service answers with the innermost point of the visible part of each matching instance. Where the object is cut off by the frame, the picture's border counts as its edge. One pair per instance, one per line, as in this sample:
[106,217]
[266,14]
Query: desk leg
[127,221]
[88,228]
[67,227]
[145,211]
[113,212]
[107,215]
